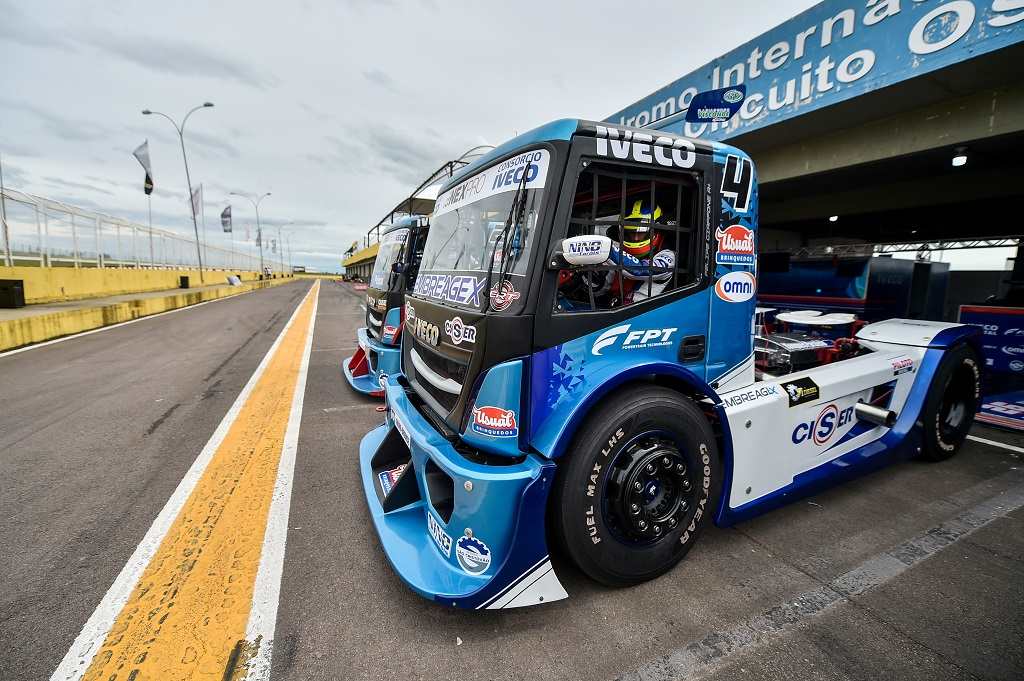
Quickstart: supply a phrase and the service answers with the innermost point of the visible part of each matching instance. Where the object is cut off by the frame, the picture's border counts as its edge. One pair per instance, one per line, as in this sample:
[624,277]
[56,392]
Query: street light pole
[188,179]
[259,230]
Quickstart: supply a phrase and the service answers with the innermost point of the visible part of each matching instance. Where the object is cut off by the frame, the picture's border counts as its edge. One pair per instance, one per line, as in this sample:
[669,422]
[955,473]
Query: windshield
[466,234]
[391,245]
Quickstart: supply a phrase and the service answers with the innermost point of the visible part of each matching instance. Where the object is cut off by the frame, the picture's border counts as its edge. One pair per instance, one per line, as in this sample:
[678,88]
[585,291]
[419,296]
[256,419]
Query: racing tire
[952,401]
[638,485]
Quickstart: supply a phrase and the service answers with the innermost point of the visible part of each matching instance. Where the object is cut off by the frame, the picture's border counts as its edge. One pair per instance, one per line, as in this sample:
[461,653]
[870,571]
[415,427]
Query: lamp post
[280,243]
[259,230]
[184,156]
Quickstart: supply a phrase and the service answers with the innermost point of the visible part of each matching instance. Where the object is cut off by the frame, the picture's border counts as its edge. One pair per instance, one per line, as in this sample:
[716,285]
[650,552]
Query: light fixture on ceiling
[833,218]
[959,157]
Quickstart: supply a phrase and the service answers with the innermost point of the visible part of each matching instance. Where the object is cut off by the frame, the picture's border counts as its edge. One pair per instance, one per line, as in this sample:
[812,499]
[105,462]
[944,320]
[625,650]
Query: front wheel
[952,401]
[639,485]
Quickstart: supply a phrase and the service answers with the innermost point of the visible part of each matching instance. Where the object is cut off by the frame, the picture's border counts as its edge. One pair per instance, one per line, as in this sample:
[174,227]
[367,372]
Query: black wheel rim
[649,489]
[957,405]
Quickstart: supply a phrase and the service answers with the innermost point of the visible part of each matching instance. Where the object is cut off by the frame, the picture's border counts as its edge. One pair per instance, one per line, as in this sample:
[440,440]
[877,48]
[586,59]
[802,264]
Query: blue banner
[1002,340]
[830,53]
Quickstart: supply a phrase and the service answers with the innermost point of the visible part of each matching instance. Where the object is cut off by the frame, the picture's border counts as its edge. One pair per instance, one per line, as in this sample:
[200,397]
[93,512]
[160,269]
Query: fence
[48,233]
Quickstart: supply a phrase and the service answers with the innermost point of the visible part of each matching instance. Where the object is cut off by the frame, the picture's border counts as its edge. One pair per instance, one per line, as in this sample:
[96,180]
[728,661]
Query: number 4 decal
[739,173]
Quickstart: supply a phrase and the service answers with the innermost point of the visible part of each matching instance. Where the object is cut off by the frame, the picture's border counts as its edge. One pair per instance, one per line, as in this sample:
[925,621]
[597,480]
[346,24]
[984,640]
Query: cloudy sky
[338,108]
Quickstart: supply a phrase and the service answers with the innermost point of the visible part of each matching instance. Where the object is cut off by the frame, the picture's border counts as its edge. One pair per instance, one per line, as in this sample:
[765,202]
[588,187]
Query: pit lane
[764,599]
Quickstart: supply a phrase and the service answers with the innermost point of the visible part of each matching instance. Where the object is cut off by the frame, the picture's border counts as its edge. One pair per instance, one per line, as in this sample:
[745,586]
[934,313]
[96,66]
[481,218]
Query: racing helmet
[637,238]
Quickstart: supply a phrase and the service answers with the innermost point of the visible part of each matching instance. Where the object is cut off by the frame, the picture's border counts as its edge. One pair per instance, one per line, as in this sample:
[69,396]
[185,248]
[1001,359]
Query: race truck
[398,259]
[579,372]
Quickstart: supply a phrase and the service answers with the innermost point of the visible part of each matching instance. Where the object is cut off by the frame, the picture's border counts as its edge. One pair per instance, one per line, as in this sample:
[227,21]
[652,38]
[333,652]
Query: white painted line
[993,443]
[114,326]
[88,642]
[267,590]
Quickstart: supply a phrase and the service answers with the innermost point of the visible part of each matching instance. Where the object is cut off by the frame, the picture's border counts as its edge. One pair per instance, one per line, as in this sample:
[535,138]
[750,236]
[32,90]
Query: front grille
[373,324]
[441,365]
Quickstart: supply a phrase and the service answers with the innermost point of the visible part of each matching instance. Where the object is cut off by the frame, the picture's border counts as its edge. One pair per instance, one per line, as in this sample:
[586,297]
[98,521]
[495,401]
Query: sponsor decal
[410,312]
[645,148]
[464,289]
[529,169]
[1016,365]
[737,182]
[441,538]
[378,304]
[425,331]
[633,340]
[459,331]
[503,295]
[828,422]
[1010,332]
[732,96]
[1013,351]
[736,287]
[735,245]
[402,430]
[473,555]
[801,390]
[389,332]
[388,478]
[583,247]
[751,395]
[902,366]
[495,421]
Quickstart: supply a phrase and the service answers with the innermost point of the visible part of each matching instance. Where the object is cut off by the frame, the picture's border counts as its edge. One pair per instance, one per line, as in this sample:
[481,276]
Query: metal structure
[259,229]
[49,233]
[416,204]
[188,179]
[922,248]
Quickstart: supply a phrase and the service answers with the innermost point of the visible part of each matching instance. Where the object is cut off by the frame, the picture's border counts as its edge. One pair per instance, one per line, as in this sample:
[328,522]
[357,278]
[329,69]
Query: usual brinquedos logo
[503,295]
[495,421]
[735,245]
[459,331]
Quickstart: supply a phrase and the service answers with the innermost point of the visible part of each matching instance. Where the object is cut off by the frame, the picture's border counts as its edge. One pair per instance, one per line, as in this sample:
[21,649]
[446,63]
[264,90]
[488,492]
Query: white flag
[142,156]
[197,200]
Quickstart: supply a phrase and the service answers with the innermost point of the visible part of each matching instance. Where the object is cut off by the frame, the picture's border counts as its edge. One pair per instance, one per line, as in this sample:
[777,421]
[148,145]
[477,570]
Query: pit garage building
[877,126]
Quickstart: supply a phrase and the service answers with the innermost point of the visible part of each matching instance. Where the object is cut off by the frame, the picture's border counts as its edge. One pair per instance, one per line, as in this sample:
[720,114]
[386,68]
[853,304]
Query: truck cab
[579,367]
[394,271]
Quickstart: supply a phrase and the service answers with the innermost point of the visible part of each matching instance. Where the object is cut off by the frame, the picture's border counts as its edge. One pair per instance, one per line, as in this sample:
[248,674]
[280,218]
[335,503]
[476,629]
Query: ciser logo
[645,148]
[828,422]
[634,340]
[735,245]
[459,331]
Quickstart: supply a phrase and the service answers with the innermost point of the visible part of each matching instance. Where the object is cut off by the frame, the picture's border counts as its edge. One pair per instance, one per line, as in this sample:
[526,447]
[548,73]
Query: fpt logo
[828,422]
[735,245]
[634,340]
[736,287]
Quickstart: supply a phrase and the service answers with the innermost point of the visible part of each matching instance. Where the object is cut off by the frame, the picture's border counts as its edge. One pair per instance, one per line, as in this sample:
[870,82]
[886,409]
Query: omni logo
[736,287]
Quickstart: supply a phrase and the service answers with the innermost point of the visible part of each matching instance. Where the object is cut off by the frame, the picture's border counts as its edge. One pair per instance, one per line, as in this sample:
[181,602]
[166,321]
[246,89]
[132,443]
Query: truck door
[650,299]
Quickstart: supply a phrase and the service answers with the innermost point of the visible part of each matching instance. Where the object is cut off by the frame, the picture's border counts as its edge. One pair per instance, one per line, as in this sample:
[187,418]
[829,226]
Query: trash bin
[12,293]
[183,281]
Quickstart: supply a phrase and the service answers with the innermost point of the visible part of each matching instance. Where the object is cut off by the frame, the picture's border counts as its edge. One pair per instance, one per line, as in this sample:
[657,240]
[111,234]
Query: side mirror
[398,267]
[588,249]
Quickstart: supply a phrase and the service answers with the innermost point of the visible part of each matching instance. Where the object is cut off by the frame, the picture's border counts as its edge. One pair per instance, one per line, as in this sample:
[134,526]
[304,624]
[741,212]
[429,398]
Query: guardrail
[49,233]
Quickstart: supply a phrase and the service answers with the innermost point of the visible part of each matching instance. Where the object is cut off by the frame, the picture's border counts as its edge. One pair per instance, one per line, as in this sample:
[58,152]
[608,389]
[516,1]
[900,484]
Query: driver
[641,250]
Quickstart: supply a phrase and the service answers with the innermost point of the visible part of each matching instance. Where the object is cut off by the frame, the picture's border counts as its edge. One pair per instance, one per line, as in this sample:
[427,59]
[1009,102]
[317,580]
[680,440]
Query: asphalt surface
[916,571]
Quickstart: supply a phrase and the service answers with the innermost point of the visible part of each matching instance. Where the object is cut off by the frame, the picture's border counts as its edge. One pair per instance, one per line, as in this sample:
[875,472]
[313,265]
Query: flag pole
[3,217]
[152,259]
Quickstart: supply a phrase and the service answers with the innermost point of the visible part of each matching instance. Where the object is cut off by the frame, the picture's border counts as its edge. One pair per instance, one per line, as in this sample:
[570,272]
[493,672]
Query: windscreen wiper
[515,213]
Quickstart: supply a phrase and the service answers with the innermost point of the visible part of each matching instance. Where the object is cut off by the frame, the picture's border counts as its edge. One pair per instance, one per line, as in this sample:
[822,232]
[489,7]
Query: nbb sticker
[495,421]
[828,422]
[801,390]
[736,287]
[735,245]
[441,538]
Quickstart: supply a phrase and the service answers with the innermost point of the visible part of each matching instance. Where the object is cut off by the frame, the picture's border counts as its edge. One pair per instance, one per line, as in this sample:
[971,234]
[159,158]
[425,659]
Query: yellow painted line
[188,613]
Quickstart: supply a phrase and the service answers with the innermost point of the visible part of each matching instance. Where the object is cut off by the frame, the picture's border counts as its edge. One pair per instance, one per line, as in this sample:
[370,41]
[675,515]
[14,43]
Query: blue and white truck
[579,370]
[394,270]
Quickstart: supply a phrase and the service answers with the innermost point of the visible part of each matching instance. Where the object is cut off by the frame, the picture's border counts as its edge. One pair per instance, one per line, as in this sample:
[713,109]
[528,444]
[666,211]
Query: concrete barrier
[62,284]
[21,331]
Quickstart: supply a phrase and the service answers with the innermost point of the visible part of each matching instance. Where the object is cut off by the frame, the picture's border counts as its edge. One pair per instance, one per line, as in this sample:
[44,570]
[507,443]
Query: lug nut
[642,524]
[683,506]
[657,529]
[680,468]
[634,508]
[649,468]
[672,522]
[638,485]
[665,461]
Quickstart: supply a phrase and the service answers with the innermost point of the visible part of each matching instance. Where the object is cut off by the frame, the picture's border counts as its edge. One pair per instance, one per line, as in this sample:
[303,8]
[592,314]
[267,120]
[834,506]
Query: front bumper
[373,358]
[461,533]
